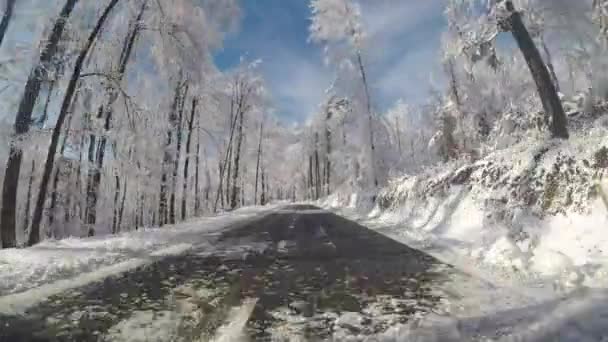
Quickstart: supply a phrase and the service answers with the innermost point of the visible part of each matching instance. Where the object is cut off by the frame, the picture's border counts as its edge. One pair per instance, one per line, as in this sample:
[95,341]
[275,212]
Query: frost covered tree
[338,22]
[23,120]
[34,236]
[511,20]
[473,33]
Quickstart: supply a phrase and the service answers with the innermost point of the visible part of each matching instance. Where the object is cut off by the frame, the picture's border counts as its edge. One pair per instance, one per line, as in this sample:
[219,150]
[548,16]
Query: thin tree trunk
[370,117]
[257,166]
[22,126]
[197,198]
[454,84]
[226,193]
[317,171]
[327,155]
[546,89]
[237,160]
[178,136]
[311,180]
[26,219]
[187,161]
[49,96]
[6,18]
[54,193]
[550,64]
[79,180]
[162,203]
[34,237]
[122,207]
[242,194]
[263,195]
[223,165]
[142,200]
[207,189]
[116,198]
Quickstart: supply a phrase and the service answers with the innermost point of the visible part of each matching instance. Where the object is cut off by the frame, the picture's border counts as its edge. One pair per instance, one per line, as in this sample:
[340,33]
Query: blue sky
[401,54]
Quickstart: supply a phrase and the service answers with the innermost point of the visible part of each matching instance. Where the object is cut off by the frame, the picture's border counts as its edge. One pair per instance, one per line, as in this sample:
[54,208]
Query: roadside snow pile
[533,210]
[56,260]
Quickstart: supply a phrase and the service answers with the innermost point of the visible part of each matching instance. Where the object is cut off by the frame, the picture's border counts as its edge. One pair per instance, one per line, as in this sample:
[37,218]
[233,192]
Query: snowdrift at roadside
[55,261]
[532,211]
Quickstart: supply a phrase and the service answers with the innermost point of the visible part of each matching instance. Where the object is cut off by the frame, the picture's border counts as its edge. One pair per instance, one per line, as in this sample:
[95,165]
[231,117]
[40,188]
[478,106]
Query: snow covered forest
[114,116]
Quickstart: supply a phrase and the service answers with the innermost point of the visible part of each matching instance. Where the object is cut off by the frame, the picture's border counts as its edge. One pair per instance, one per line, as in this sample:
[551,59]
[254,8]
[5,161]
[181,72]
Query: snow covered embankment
[33,274]
[532,211]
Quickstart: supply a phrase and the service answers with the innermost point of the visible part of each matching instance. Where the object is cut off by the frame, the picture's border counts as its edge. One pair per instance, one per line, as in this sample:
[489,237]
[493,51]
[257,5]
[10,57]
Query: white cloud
[403,47]
[298,84]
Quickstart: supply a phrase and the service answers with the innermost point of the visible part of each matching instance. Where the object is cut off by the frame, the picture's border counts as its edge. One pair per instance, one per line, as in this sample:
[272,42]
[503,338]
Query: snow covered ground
[32,274]
[500,302]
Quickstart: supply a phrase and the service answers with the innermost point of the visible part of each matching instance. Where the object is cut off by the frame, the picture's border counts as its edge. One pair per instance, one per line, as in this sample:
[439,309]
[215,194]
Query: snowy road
[298,273]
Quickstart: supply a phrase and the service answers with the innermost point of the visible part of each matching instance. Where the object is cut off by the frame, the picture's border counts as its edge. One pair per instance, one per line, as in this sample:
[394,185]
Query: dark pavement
[306,267]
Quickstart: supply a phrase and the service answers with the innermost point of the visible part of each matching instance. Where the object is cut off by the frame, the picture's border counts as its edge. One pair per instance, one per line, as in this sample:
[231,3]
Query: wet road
[314,276]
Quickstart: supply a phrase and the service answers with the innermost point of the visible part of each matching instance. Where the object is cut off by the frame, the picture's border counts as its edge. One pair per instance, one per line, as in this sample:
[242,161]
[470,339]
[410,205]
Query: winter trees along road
[123,120]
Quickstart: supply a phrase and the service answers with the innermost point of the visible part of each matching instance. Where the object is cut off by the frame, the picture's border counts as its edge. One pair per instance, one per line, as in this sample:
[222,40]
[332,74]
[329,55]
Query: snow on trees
[335,22]
[123,120]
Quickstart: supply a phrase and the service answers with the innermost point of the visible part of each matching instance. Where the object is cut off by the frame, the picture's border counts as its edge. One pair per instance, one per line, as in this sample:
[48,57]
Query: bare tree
[187,161]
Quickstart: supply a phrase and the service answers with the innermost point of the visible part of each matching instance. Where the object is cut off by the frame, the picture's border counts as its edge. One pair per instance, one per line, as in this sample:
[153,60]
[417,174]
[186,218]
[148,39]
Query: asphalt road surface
[308,273]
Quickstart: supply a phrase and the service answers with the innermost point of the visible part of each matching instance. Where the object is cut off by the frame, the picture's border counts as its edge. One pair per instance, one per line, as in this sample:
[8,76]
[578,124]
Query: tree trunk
[178,153]
[226,193]
[54,193]
[49,95]
[223,165]
[162,203]
[122,207]
[454,84]
[368,102]
[237,160]
[263,195]
[550,64]
[22,126]
[187,161]
[6,18]
[116,199]
[197,198]
[327,155]
[26,219]
[142,201]
[257,166]
[546,88]
[311,179]
[207,188]
[317,169]
[34,237]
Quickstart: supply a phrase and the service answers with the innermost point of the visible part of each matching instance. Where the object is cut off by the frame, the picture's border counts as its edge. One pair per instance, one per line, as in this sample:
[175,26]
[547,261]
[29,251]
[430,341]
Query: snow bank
[530,212]
[54,266]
